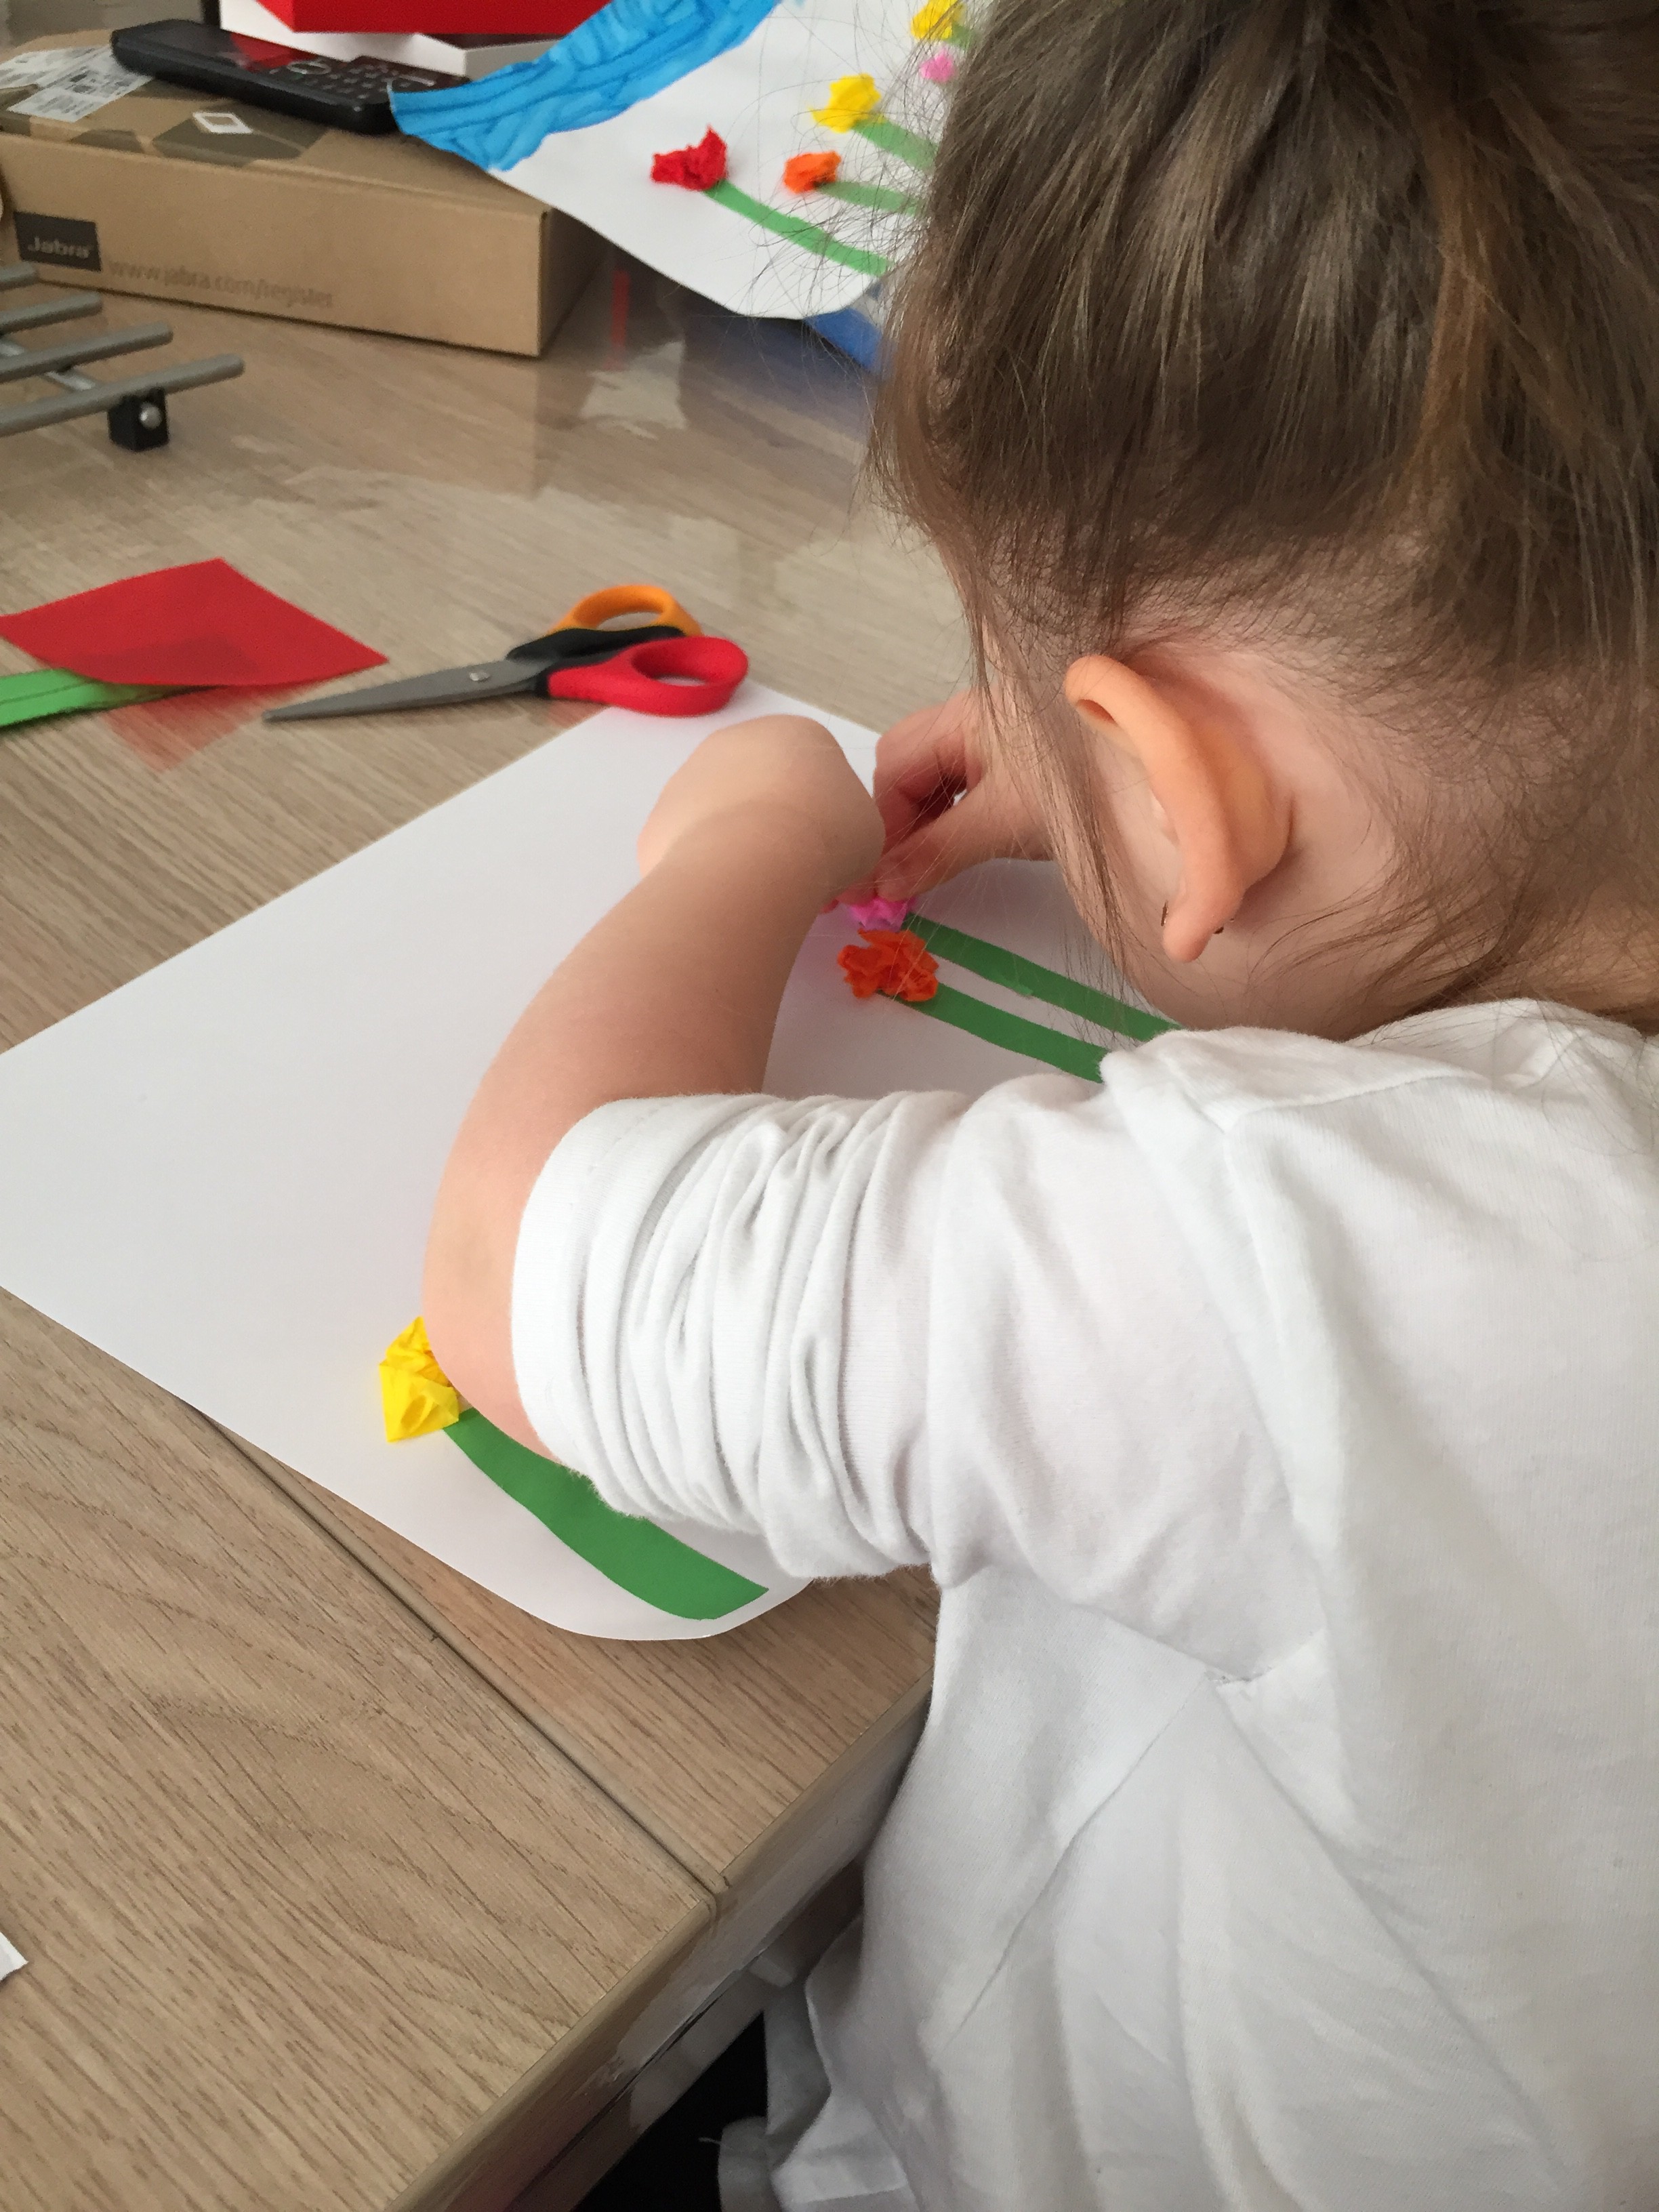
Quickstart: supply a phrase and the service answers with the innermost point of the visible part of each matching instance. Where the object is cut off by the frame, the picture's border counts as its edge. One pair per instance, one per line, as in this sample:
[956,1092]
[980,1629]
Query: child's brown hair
[1336,320]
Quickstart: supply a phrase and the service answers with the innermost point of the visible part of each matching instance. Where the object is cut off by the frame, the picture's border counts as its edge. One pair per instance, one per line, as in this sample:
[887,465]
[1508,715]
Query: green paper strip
[1030,980]
[35,693]
[637,1555]
[1013,1031]
[797,231]
[893,138]
[870,196]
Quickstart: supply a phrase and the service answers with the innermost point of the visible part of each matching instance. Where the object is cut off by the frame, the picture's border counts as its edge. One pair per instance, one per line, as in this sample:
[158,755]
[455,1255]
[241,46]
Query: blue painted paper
[629,49]
[855,330]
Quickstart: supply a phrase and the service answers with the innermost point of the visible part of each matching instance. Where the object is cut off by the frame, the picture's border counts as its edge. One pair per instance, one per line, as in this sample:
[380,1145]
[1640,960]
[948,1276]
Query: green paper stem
[893,138]
[1030,980]
[35,693]
[798,230]
[1013,1031]
[882,196]
[637,1555]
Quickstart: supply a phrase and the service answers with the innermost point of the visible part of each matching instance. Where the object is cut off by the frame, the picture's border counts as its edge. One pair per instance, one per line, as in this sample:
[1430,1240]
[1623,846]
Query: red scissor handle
[710,670]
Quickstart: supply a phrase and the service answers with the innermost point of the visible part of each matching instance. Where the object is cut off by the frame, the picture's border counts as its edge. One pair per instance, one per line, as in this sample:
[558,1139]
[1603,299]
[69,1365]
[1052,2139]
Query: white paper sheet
[759,97]
[222,1174]
[10,1959]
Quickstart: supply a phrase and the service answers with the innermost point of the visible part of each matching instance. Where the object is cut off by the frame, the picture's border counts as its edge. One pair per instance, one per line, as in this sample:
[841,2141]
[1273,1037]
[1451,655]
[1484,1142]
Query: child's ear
[1211,795]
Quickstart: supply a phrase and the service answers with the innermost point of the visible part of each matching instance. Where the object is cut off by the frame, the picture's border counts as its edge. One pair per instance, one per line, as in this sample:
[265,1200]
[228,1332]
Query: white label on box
[221,123]
[40,68]
[95,79]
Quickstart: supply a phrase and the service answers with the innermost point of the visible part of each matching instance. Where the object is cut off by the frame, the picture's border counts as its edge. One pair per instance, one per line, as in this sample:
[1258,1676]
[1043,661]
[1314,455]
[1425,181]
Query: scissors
[665,667]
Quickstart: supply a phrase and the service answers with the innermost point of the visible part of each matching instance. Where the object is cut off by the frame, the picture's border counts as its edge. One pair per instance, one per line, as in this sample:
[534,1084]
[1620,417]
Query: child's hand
[782,778]
[943,806]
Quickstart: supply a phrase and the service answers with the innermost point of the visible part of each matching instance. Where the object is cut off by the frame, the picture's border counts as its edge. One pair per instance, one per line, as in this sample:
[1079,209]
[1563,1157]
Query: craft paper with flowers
[779,174]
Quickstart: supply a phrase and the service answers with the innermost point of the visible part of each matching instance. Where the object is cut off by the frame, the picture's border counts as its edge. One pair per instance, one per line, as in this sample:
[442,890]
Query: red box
[551,18]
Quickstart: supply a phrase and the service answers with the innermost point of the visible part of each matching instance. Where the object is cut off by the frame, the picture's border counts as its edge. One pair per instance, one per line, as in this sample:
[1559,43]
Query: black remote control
[346,96]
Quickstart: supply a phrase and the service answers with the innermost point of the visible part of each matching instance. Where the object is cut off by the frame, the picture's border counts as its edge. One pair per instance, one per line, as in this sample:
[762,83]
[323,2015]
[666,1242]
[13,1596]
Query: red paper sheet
[205,623]
[549,19]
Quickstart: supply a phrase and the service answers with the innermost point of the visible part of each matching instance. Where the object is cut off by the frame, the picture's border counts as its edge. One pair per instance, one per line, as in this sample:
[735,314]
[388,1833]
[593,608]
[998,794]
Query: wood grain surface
[710,1745]
[302,1897]
[110,861]
[441,506]
[316,1863]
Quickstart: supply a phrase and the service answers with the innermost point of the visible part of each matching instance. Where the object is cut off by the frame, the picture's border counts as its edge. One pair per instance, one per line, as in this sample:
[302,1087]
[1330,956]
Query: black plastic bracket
[140,420]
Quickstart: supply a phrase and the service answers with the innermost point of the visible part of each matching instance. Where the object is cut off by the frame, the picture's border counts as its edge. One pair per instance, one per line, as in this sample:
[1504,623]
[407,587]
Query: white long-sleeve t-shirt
[1280,1419]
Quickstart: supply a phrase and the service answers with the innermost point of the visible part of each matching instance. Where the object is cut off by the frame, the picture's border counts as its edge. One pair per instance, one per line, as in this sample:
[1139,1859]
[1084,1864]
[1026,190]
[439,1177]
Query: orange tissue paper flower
[697,167]
[894,961]
[804,173]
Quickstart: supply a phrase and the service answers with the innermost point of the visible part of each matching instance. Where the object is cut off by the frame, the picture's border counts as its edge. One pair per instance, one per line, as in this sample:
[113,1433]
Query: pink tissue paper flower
[877,913]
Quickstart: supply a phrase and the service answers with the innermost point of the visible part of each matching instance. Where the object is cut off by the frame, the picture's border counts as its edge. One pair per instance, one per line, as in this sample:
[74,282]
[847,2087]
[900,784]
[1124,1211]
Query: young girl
[1280,1417]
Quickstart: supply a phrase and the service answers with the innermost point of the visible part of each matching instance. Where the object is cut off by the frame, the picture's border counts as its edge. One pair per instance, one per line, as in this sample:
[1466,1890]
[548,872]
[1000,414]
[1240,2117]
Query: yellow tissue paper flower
[938,20]
[416,1396]
[851,99]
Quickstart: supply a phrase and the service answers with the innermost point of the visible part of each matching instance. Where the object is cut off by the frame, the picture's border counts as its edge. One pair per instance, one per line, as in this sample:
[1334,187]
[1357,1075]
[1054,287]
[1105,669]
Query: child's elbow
[466,1302]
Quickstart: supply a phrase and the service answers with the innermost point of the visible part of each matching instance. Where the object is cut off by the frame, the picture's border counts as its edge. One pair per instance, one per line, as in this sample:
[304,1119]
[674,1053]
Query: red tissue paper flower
[697,167]
[894,961]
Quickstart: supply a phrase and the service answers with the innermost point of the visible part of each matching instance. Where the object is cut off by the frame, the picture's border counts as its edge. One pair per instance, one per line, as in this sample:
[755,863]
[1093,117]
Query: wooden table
[343,1883]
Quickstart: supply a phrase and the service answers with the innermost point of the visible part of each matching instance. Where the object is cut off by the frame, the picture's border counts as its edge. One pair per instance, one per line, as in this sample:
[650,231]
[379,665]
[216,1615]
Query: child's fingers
[923,765]
[924,791]
[925,728]
[938,814]
[922,747]
[978,827]
[906,814]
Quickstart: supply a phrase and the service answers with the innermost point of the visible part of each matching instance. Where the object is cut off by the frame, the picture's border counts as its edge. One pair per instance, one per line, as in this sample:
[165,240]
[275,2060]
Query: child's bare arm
[674,992]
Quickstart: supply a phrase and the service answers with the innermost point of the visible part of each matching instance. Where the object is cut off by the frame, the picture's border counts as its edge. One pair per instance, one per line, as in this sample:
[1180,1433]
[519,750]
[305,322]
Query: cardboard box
[175,195]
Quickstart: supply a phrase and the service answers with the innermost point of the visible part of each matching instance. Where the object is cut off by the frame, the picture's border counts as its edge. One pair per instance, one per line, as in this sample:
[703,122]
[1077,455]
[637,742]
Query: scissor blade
[445,687]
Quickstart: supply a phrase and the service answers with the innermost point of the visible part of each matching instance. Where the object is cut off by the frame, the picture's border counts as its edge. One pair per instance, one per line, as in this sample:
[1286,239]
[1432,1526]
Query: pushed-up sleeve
[920,1329]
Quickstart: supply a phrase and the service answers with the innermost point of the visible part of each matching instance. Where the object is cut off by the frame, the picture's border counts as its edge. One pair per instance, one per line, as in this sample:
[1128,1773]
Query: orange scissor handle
[601,607]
